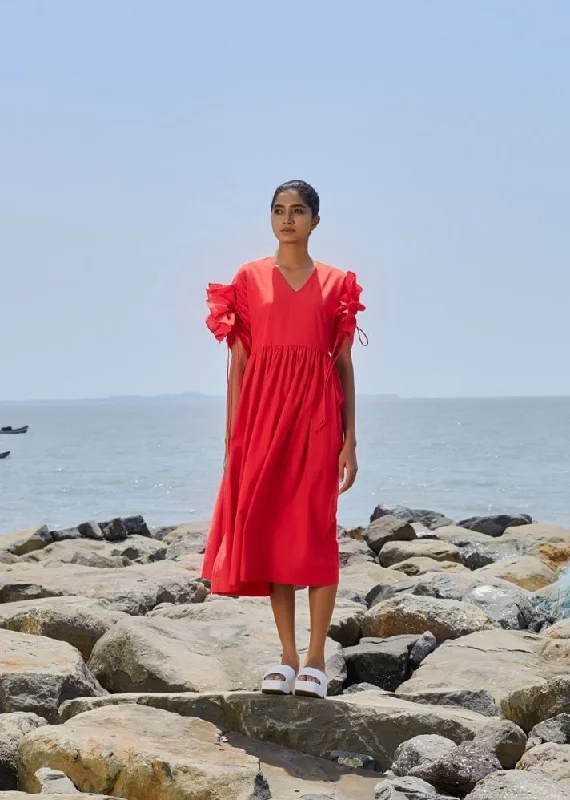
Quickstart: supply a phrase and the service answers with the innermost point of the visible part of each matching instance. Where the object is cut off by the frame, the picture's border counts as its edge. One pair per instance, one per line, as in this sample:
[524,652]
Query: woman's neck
[293,256]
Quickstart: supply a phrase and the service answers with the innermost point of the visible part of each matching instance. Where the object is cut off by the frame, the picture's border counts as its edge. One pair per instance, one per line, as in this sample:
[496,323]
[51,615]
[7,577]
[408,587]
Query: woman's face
[291,218]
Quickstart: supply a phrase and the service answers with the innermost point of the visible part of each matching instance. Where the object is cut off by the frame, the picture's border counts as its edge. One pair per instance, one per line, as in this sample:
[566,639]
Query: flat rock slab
[359,581]
[526,675]
[80,621]
[220,645]
[528,572]
[517,785]
[38,674]
[137,752]
[134,590]
[102,554]
[393,552]
[370,722]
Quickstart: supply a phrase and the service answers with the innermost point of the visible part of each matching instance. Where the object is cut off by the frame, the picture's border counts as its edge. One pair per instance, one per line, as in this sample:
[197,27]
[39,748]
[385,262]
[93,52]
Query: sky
[141,141]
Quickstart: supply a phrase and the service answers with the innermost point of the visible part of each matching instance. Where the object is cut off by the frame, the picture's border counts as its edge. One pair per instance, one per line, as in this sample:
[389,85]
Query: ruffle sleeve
[229,314]
[348,307]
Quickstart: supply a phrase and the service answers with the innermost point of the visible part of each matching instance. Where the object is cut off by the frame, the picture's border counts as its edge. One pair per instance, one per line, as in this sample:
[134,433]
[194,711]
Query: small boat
[5,454]
[10,429]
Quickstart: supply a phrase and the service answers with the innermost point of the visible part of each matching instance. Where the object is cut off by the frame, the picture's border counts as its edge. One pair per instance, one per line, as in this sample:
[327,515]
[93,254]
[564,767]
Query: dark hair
[305,190]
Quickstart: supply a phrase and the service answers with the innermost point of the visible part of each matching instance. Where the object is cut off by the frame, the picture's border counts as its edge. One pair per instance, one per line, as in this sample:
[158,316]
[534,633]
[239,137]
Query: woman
[290,440]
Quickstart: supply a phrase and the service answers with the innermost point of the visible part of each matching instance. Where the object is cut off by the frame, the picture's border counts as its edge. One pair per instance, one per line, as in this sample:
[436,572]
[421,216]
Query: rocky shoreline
[448,658]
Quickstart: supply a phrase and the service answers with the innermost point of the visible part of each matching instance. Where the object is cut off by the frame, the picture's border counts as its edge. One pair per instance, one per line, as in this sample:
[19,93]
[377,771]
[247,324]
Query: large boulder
[420,750]
[132,751]
[528,572]
[381,662]
[508,605]
[98,554]
[524,676]
[188,539]
[135,590]
[37,674]
[393,552]
[13,728]
[549,760]
[223,644]
[518,785]
[458,771]
[80,621]
[496,524]
[354,551]
[505,739]
[369,722]
[387,529]
[411,614]
[421,516]
[550,543]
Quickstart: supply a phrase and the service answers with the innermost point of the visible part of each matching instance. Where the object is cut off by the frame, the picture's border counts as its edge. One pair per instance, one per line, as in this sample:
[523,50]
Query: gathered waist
[255,350]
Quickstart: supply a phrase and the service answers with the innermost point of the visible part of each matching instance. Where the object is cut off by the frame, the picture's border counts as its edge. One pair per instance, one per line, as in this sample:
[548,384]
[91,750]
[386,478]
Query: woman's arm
[348,465]
[237,368]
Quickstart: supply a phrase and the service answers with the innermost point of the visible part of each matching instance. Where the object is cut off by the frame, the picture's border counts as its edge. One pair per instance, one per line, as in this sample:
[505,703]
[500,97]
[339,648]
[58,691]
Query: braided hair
[306,192]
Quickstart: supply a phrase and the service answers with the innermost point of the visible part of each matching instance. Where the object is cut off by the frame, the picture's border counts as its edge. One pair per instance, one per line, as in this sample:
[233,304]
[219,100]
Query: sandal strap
[281,669]
[311,672]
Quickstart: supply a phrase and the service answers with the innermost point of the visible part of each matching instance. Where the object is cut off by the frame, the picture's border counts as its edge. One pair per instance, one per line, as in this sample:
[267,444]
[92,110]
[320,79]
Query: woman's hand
[347,467]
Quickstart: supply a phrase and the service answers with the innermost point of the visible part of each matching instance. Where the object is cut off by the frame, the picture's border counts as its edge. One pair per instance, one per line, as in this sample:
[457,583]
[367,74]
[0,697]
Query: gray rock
[54,781]
[362,687]
[115,530]
[352,551]
[476,555]
[556,729]
[38,674]
[505,739]
[495,525]
[425,645]
[478,700]
[65,534]
[420,750]
[410,788]
[13,728]
[387,529]
[141,549]
[26,541]
[382,662]
[90,530]
[429,519]
[186,539]
[396,552]
[458,771]
[549,760]
[518,785]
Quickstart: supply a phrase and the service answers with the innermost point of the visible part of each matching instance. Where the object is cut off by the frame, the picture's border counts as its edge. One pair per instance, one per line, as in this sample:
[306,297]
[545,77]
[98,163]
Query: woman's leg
[321,605]
[283,605]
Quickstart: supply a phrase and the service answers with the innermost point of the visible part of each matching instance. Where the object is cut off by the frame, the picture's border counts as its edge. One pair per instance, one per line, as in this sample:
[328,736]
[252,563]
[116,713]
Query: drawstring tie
[322,418]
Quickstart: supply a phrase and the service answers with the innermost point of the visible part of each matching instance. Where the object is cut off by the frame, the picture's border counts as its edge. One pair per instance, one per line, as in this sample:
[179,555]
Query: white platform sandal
[316,688]
[279,686]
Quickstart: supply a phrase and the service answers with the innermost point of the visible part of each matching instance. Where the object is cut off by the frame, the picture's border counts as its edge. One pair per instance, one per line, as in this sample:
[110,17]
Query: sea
[162,459]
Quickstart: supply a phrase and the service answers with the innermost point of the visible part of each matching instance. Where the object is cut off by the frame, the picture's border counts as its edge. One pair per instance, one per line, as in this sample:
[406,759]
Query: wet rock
[13,728]
[381,662]
[458,771]
[496,524]
[387,529]
[420,750]
[411,614]
[38,674]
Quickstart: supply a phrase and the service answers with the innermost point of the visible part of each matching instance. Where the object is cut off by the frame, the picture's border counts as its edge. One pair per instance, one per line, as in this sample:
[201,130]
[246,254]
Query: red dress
[275,516]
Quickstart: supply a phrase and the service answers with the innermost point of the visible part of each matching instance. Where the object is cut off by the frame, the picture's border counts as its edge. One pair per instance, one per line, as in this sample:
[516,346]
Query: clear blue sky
[140,142]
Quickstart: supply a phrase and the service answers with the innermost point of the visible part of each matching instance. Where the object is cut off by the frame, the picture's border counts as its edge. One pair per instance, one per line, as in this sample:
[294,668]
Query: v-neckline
[286,282]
